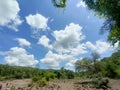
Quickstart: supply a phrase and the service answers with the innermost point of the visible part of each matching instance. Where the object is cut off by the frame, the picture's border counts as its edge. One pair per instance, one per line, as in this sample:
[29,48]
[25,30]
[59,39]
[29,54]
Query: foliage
[42,82]
[95,57]
[108,67]
[109,9]
[17,72]
[83,65]
[112,65]
[59,3]
[88,66]
[100,82]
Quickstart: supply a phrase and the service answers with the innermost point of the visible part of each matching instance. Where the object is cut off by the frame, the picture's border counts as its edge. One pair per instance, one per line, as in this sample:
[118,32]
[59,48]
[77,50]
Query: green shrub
[42,82]
[35,79]
[100,82]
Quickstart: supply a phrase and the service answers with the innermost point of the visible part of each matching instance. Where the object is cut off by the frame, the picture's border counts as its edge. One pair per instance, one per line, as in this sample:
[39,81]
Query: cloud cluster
[100,46]
[9,17]
[66,46]
[53,59]
[19,57]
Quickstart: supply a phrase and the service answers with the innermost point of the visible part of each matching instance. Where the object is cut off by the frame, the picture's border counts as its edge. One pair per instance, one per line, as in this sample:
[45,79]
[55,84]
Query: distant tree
[83,65]
[95,57]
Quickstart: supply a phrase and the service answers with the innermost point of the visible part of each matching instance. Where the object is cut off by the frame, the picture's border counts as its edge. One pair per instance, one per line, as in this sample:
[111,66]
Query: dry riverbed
[74,84]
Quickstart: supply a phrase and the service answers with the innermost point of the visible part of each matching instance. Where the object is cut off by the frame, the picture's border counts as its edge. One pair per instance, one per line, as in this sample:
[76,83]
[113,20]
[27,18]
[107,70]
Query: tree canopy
[108,67]
[108,9]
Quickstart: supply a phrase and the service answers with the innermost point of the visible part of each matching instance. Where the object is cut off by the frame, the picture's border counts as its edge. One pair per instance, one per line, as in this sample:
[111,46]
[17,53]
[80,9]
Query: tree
[110,10]
[112,65]
[83,65]
[95,57]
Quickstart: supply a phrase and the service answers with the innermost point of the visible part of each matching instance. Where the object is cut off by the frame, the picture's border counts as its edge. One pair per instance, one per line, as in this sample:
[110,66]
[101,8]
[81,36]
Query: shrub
[42,82]
[35,79]
[100,82]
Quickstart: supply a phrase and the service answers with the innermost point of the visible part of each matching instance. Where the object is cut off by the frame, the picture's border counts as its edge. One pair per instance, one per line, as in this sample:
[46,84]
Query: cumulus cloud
[19,57]
[54,59]
[66,46]
[9,17]
[81,4]
[69,38]
[100,46]
[37,22]
[14,24]
[70,64]
[66,40]
[45,42]
[23,42]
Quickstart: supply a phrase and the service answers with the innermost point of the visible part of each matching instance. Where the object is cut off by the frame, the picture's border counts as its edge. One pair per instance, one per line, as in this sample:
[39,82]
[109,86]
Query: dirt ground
[55,85]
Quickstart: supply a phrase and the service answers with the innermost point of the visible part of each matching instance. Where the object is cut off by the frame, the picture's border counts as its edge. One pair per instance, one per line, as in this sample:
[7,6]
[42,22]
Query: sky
[34,33]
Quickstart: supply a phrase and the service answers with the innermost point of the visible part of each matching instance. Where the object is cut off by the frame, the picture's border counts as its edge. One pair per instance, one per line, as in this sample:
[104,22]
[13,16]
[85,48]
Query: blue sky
[35,33]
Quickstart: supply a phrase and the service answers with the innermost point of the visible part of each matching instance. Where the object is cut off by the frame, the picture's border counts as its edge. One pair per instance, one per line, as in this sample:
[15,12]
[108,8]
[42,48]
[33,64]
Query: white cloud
[80,49]
[9,17]
[23,42]
[37,22]
[81,4]
[100,46]
[19,57]
[44,41]
[53,59]
[66,46]
[69,36]
[70,64]
[68,39]
[90,45]
[15,23]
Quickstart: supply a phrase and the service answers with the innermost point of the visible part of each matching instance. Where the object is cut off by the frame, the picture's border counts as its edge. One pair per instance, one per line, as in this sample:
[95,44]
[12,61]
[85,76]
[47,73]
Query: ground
[73,84]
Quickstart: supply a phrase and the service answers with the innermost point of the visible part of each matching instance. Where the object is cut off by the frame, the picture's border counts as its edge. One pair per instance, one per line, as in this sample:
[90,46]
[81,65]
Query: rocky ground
[56,85]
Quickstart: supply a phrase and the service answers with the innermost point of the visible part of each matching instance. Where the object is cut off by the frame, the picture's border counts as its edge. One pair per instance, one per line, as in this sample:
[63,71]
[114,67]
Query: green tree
[83,65]
[110,10]
[95,57]
[112,65]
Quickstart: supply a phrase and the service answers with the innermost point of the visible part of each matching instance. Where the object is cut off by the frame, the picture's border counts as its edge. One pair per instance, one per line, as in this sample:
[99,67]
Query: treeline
[106,67]
[88,67]
[17,72]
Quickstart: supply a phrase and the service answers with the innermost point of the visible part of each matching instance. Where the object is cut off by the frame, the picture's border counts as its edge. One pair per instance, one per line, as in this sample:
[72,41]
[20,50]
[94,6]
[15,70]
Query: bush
[42,82]
[100,82]
[35,79]
[49,75]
